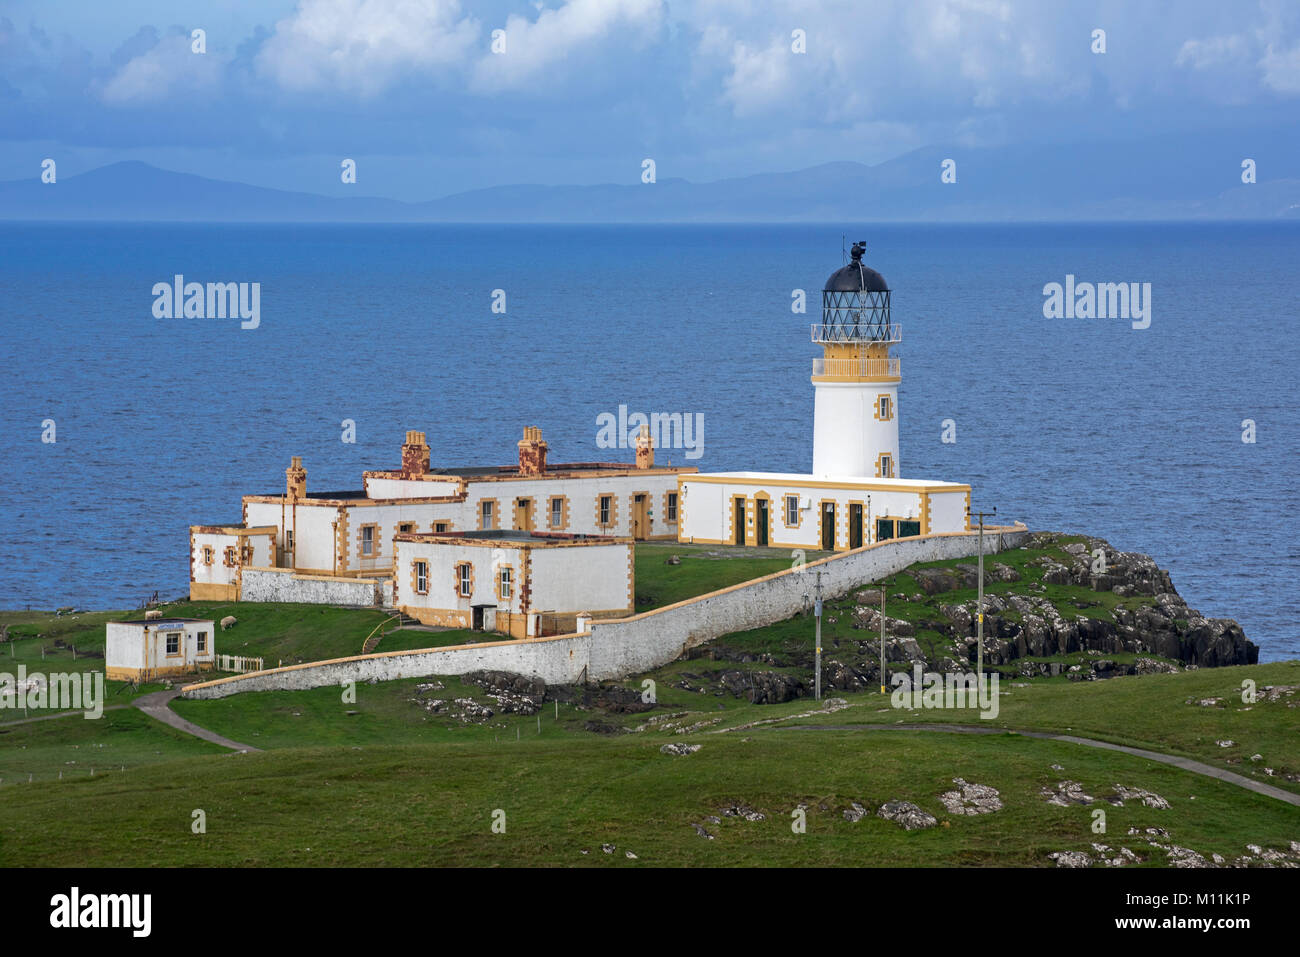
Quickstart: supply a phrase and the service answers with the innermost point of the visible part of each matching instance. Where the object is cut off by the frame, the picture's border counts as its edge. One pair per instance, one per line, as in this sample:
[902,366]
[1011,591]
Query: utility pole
[817,610]
[882,636]
[979,604]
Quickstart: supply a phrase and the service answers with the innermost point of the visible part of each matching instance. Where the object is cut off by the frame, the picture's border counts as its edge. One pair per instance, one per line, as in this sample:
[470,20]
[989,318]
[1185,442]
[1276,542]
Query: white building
[350,534]
[853,496]
[524,584]
[145,649]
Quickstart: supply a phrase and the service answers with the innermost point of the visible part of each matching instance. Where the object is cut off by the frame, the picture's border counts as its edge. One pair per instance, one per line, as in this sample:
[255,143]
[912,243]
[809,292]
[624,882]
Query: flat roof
[793,478]
[163,621]
[509,535]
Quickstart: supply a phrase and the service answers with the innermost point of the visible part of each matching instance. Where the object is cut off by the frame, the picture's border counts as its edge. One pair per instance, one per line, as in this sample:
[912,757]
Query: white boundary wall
[284,585]
[623,646]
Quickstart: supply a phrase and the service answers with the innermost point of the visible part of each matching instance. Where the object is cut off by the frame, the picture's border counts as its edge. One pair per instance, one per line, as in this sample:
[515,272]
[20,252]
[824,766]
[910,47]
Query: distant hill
[1171,178]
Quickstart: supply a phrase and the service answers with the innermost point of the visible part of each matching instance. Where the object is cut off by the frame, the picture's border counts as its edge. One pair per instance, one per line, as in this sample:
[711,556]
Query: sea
[119,428]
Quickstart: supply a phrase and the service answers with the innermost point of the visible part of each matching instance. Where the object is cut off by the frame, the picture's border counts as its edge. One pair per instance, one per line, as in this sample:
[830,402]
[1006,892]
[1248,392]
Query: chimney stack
[295,479]
[532,452]
[645,449]
[415,455]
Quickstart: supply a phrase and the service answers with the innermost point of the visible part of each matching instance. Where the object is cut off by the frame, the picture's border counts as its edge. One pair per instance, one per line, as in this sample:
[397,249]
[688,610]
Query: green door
[855,526]
[828,526]
[760,518]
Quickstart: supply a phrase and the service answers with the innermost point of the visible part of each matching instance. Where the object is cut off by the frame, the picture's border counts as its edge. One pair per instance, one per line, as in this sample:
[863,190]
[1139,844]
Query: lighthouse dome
[856,277]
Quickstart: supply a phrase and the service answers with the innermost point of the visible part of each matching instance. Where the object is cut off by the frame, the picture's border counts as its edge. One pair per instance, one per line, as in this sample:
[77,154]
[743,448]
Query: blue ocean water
[1070,424]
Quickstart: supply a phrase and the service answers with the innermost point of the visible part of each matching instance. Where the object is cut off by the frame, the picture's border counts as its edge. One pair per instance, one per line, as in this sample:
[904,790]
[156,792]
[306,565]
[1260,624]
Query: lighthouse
[855,380]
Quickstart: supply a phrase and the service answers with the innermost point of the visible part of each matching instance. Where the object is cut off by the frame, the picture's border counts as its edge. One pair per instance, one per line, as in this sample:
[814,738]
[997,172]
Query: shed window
[201,642]
[422,577]
[557,512]
[670,508]
[792,510]
[489,515]
[464,584]
[173,643]
[368,540]
[606,504]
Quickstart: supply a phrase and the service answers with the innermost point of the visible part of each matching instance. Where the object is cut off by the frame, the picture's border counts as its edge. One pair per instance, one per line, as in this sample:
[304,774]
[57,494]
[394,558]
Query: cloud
[363,47]
[1282,70]
[168,69]
[578,29]
[1216,51]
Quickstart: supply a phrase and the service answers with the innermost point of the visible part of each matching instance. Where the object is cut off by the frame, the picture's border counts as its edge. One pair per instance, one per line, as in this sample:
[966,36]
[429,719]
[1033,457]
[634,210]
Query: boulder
[906,815]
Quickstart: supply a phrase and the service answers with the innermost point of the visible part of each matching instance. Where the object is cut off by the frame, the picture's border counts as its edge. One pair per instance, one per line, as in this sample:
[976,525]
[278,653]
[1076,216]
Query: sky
[585,90]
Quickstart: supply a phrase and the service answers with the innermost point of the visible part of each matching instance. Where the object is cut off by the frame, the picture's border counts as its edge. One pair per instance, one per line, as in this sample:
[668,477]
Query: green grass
[276,632]
[704,568]
[74,745]
[423,805]
[337,780]
[1158,712]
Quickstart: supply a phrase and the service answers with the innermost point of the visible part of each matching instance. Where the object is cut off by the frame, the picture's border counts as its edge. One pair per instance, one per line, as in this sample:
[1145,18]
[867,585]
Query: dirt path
[1187,764]
[157,705]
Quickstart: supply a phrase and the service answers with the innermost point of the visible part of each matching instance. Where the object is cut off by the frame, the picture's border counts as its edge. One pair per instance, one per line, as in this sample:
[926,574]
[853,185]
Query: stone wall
[274,584]
[619,647]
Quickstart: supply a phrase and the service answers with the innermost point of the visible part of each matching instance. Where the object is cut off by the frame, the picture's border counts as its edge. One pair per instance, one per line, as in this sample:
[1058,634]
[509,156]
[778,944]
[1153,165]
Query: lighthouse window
[422,577]
[886,466]
[886,413]
[792,510]
[464,579]
[505,583]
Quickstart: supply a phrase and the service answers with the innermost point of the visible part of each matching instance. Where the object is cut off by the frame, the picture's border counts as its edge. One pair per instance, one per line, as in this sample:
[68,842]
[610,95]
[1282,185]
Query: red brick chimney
[532,452]
[645,449]
[415,455]
[295,479]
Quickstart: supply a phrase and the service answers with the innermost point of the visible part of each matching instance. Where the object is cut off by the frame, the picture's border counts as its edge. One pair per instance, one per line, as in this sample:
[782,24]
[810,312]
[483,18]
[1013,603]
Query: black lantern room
[855,305]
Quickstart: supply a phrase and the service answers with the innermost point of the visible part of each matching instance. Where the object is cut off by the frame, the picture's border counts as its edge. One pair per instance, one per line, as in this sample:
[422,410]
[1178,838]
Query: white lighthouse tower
[855,419]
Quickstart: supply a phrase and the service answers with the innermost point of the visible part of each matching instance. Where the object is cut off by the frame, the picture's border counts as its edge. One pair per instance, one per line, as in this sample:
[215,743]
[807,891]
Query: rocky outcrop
[763,687]
[1031,626]
[906,815]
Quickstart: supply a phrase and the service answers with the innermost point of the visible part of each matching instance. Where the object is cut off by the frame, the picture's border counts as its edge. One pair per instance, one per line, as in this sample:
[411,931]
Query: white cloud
[1282,70]
[363,47]
[1202,54]
[578,28]
[169,69]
